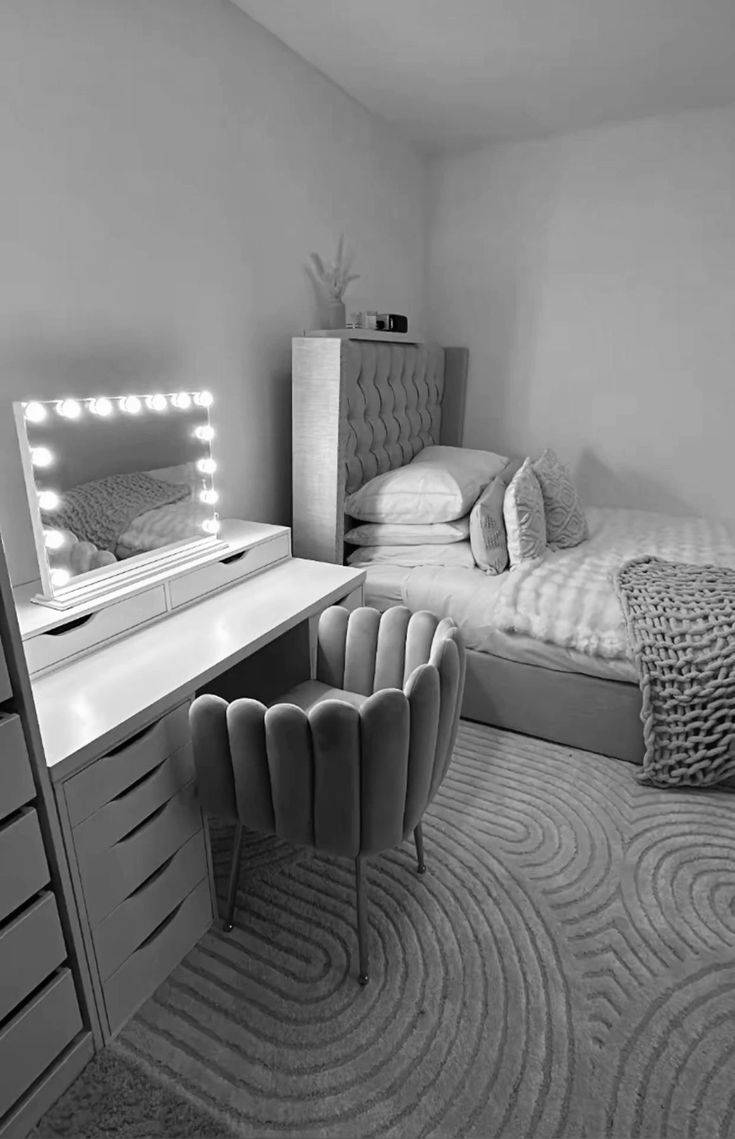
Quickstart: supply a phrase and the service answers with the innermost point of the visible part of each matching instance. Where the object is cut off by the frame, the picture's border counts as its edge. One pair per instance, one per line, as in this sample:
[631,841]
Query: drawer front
[208,579]
[110,823]
[6,689]
[115,873]
[126,764]
[127,927]
[31,947]
[55,646]
[33,1039]
[22,861]
[16,781]
[158,956]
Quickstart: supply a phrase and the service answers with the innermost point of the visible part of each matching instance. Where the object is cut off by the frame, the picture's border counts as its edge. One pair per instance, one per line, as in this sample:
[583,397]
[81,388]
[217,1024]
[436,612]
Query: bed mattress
[384,587]
[560,613]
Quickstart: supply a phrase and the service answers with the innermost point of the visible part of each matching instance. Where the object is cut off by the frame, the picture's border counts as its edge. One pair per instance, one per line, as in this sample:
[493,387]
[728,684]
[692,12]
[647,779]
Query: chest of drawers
[138,846]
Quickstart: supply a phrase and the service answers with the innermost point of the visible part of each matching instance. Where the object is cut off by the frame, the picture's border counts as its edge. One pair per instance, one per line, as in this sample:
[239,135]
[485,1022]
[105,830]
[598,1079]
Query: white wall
[593,278]
[167,165]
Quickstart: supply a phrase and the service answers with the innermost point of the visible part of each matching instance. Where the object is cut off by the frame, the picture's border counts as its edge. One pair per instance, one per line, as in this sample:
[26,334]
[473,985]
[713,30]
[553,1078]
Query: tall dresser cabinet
[45,1039]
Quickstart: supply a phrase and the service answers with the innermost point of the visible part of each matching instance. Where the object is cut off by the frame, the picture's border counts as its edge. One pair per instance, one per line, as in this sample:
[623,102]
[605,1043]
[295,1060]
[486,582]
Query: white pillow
[523,514]
[407,534]
[440,484]
[454,554]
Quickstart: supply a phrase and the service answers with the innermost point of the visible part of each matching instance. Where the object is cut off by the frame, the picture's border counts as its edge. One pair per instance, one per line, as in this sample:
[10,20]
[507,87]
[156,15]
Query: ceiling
[457,73]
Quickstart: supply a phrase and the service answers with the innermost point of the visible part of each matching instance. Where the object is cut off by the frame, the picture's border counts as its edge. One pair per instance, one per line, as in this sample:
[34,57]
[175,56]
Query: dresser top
[88,706]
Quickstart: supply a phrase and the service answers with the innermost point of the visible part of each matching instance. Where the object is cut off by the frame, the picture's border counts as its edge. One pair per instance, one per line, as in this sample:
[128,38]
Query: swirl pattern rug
[566,967]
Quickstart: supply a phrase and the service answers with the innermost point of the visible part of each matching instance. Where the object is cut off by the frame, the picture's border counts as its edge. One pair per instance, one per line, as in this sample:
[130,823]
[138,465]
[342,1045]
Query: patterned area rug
[565,968]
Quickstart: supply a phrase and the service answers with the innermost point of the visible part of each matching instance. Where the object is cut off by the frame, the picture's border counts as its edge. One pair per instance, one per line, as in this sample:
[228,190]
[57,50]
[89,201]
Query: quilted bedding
[569,599]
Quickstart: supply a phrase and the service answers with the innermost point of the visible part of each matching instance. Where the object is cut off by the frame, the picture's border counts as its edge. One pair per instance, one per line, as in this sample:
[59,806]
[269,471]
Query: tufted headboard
[359,408]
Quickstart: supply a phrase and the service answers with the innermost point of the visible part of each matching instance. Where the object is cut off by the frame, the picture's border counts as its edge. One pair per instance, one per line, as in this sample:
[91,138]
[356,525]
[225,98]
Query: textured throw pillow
[487,529]
[523,514]
[566,524]
[407,534]
[455,554]
[440,484]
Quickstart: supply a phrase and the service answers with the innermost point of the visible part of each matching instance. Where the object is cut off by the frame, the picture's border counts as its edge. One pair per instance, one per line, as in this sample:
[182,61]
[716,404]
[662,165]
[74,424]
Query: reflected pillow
[566,524]
[407,534]
[454,554]
[440,484]
[523,514]
[487,529]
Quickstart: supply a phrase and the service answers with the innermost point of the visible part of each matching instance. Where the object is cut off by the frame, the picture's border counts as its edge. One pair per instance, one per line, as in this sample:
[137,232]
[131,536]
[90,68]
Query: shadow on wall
[41,369]
[600,485]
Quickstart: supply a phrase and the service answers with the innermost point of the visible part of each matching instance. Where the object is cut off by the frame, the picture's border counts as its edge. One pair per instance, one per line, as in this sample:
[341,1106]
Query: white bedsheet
[568,599]
[384,587]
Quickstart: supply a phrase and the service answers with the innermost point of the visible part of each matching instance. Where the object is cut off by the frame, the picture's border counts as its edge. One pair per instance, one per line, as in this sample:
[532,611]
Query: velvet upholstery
[369,739]
[347,762]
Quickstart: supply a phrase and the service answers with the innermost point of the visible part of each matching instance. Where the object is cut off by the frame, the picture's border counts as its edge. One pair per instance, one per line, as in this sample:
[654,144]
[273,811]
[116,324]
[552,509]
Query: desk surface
[92,704]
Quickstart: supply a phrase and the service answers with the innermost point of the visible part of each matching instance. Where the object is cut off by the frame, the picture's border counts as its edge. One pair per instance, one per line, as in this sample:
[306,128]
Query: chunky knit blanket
[681,624]
[99,512]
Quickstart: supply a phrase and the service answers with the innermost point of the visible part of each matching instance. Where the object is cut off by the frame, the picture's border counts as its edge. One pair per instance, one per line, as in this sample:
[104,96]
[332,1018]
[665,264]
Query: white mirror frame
[107,582]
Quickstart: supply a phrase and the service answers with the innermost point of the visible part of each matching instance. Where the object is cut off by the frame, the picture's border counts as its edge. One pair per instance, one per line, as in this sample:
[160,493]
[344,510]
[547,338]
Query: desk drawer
[190,586]
[158,956]
[51,648]
[31,947]
[111,877]
[22,861]
[6,689]
[110,823]
[33,1039]
[127,927]
[124,765]
[16,781]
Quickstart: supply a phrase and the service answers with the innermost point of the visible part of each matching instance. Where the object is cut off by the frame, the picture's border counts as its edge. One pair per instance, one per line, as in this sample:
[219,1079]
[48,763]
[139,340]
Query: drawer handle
[161,926]
[134,739]
[233,558]
[134,786]
[158,873]
[143,823]
[70,626]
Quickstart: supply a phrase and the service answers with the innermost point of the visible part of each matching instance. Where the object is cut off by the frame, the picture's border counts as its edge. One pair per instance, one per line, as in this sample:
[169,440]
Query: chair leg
[418,835]
[229,921]
[363,932]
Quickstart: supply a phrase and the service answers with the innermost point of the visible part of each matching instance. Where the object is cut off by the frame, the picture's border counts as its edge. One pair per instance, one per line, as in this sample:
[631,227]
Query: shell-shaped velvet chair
[348,762]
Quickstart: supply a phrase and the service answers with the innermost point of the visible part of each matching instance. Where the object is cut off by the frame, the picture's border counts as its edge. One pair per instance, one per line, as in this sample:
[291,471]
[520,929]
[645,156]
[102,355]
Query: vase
[334,315]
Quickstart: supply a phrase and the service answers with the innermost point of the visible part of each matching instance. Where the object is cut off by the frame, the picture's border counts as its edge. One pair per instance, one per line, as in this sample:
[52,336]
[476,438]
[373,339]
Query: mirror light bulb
[53,539]
[209,496]
[60,576]
[156,402]
[35,412]
[49,500]
[69,408]
[131,404]
[182,400]
[211,525]
[41,457]
[203,399]
[207,466]
[205,434]
[101,406]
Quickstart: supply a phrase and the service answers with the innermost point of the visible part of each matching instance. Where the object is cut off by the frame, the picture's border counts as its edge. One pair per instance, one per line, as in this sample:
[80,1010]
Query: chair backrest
[344,779]
[367,652]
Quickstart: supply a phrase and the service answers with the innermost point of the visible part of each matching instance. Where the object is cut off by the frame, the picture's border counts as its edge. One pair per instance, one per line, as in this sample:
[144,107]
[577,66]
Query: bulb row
[36,412]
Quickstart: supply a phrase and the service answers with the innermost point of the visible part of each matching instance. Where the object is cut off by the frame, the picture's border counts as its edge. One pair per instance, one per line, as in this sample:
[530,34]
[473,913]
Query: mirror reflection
[117,478]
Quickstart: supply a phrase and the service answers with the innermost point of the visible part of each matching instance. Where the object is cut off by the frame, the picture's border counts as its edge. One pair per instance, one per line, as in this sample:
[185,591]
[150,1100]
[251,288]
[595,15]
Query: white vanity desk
[114,724]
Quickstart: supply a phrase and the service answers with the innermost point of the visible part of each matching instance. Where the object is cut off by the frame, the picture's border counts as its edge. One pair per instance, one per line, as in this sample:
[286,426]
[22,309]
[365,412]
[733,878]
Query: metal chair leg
[418,835]
[229,921]
[363,932]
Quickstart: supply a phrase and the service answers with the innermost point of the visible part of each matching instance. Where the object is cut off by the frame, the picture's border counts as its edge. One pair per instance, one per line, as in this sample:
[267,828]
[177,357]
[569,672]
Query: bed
[361,408]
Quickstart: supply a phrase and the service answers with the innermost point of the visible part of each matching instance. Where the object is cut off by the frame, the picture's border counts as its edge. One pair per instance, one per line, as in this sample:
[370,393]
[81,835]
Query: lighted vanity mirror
[119,489]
